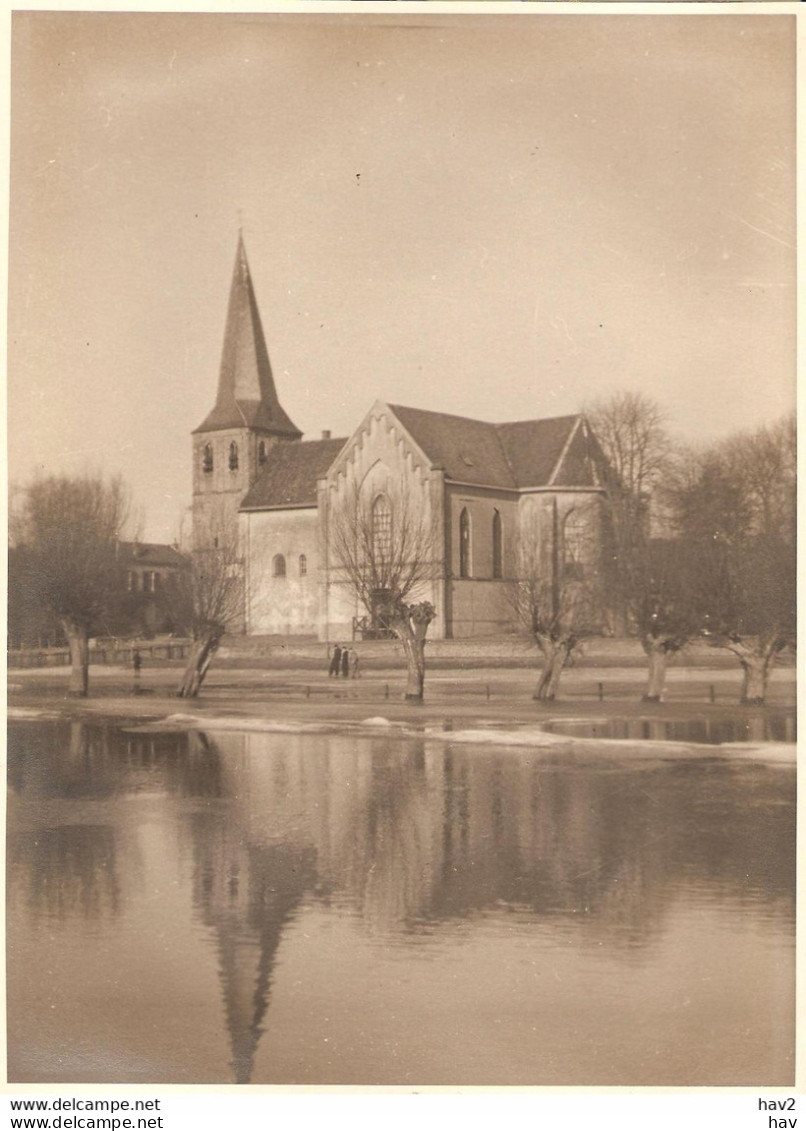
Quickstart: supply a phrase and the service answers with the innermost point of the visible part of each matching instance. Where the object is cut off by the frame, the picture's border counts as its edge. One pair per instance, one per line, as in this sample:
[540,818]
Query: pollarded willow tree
[557,597]
[663,605]
[207,598]
[736,514]
[69,528]
[630,429]
[385,550]
[649,582]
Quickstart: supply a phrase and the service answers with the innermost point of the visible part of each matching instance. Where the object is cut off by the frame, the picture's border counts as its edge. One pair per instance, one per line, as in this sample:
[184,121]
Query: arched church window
[576,535]
[233,456]
[303,565]
[497,545]
[207,458]
[464,543]
[278,565]
[381,528]
[261,452]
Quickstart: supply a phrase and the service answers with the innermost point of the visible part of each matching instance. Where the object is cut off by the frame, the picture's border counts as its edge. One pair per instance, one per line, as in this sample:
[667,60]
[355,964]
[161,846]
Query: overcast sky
[501,217]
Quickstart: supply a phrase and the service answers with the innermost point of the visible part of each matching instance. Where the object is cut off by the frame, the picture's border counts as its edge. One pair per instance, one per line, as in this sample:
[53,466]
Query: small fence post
[307,692]
[488,691]
[601,691]
[713,693]
[386,691]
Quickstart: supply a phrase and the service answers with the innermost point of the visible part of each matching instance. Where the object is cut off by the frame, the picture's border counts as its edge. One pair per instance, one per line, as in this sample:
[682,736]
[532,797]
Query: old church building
[486,489]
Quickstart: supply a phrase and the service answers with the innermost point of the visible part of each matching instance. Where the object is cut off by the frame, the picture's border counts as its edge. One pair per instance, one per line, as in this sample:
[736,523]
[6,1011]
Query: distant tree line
[700,542]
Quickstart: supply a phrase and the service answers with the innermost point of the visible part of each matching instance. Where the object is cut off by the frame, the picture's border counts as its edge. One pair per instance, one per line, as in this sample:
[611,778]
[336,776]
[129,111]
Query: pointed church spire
[246,396]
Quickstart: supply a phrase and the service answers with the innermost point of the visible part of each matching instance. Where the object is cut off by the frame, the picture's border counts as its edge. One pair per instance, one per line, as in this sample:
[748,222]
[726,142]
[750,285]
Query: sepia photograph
[402,548]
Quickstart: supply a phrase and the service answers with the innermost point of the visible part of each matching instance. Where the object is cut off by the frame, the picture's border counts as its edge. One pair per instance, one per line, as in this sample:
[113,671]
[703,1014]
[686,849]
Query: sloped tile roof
[470,451]
[290,473]
[522,454]
[232,413]
[534,447]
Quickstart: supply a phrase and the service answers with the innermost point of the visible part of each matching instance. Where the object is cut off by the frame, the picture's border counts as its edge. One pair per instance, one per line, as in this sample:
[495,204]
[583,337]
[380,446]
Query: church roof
[535,447]
[290,473]
[526,453]
[470,451]
[247,396]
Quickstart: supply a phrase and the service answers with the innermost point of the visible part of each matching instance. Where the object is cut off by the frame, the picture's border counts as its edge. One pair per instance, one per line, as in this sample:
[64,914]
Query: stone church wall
[288,603]
[478,605]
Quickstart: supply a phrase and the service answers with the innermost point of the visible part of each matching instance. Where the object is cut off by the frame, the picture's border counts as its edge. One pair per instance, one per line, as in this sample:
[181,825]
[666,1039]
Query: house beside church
[485,488]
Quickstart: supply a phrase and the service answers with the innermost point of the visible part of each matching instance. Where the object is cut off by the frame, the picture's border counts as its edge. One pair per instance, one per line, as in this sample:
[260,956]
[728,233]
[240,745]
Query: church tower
[231,445]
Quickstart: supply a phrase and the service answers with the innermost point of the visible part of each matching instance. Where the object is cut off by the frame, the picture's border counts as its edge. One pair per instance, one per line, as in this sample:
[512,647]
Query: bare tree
[763,463]
[647,578]
[206,598]
[69,528]
[385,549]
[557,597]
[631,431]
[736,514]
[663,605]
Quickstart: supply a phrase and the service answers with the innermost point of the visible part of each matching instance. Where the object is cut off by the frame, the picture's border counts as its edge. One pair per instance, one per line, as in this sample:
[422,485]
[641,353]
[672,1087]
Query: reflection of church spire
[277,876]
[247,893]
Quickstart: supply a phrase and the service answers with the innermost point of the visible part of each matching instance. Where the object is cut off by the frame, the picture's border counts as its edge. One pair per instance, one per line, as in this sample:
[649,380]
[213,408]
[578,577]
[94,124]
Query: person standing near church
[335,661]
[345,663]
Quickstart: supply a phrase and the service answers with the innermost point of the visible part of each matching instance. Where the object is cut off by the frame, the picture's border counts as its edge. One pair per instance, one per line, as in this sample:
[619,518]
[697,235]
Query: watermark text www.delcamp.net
[85,1115]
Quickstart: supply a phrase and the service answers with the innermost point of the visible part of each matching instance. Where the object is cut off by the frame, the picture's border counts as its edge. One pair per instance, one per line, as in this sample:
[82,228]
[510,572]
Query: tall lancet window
[464,543]
[261,452]
[497,545]
[207,458]
[233,456]
[381,528]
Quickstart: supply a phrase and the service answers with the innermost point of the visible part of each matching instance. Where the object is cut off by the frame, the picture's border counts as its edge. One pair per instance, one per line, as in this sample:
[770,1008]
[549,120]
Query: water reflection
[246,893]
[405,838]
[713,730]
[69,870]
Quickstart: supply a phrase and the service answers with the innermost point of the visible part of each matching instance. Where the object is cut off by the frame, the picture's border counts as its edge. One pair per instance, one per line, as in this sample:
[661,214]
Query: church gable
[582,462]
[380,449]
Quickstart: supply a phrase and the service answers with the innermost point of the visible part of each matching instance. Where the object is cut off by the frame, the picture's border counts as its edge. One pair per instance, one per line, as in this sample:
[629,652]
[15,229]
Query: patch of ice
[378,721]
[33,713]
[497,737]
[238,723]
[773,751]
[769,751]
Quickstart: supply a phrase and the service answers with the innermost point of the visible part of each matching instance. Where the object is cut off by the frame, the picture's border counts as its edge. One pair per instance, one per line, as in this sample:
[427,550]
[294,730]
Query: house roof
[247,396]
[150,554]
[523,454]
[290,473]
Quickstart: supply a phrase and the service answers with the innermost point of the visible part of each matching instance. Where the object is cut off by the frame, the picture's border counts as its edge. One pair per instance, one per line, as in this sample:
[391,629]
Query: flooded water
[330,909]
[710,730]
